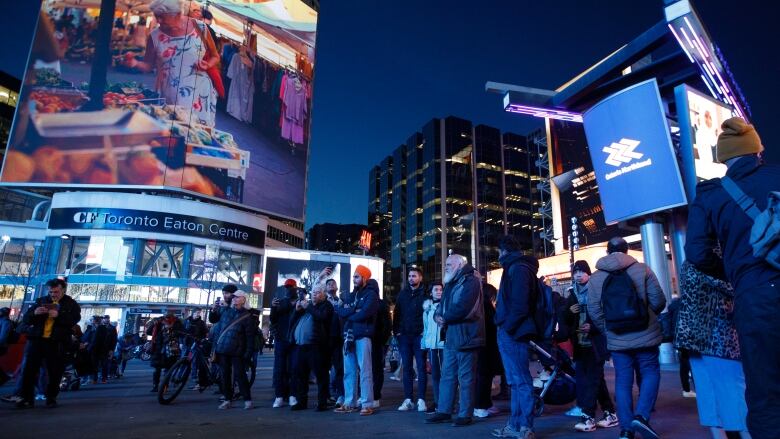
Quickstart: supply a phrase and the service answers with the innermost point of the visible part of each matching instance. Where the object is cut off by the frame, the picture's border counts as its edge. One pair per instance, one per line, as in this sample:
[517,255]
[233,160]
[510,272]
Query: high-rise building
[335,238]
[453,187]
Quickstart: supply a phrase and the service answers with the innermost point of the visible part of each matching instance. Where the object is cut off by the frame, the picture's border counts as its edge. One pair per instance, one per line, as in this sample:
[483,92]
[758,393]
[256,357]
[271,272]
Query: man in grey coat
[628,349]
[461,317]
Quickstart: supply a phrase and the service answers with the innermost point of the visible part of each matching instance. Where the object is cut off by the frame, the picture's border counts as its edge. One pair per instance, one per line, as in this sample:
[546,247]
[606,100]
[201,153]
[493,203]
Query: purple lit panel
[551,113]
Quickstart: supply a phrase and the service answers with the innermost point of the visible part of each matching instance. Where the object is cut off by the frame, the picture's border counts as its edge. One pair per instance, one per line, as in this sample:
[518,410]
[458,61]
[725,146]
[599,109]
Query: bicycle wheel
[174,381]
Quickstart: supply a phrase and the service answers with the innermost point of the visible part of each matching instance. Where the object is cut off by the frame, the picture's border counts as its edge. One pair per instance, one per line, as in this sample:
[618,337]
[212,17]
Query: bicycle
[177,376]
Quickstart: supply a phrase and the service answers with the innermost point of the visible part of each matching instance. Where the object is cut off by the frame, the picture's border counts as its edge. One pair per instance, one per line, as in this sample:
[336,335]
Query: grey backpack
[765,234]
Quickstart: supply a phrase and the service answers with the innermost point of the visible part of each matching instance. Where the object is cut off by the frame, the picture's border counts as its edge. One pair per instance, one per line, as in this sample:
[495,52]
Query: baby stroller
[560,388]
[76,366]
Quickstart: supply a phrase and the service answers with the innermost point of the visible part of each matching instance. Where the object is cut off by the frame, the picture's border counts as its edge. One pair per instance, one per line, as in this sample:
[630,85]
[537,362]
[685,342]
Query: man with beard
[358,313]
[408,328]
[461,316]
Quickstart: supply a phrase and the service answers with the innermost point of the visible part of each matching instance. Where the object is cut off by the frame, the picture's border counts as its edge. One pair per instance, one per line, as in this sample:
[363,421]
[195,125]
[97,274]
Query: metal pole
[654,251]
[677,230]
[97,77]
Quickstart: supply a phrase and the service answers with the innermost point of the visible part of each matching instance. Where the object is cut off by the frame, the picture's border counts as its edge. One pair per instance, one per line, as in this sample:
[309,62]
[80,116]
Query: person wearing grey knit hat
[716,219]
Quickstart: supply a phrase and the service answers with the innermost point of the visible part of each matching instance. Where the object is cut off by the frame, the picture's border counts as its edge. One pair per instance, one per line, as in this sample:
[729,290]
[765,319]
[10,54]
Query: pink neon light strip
[682,45]
[714,95]
[696,37]
[686,38]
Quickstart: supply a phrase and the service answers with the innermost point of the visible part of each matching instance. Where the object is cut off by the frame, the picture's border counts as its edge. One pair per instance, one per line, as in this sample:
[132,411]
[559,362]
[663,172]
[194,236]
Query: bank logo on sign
[622,152]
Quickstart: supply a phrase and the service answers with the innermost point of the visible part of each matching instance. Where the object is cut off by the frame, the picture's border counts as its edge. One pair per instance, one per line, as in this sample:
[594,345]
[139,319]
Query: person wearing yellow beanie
[716,219]
[737,139]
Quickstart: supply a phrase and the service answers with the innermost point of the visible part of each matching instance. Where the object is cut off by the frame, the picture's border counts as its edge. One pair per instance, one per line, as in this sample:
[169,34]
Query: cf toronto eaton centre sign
[154,222]
[632,153]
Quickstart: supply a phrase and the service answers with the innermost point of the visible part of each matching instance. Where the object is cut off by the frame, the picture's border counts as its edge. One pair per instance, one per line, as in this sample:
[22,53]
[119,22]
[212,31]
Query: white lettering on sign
[627,169]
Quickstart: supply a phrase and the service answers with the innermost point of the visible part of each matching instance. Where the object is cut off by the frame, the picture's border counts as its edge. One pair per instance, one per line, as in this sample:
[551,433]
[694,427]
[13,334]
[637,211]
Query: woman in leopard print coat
[706,320]
[705,327]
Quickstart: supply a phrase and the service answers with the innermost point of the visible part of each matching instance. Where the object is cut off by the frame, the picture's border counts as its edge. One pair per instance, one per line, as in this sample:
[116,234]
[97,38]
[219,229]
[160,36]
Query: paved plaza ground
[126,409]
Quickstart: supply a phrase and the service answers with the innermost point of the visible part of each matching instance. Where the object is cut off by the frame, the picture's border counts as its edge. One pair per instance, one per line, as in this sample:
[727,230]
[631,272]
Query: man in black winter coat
[98,347]
[310,336]
[461,315]
[516,327]
[49,322]
[408,328]
[716,220]
[282,308]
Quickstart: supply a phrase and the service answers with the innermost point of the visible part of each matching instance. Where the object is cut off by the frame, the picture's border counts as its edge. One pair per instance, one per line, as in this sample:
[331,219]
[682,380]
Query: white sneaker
[575,412]
[608,420]
[248,405]
[690,394]
[278,402]
[293,401]
[340,401]
[406,405]
[375,405]
[225,405]
[481,413]
[587,424]
[421,406]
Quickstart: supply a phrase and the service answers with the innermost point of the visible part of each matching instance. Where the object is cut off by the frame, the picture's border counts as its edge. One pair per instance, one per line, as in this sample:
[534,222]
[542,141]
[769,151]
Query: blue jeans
[514,355]
[646,361]
[458,368]
[358,362]
[436,357]
[409,345]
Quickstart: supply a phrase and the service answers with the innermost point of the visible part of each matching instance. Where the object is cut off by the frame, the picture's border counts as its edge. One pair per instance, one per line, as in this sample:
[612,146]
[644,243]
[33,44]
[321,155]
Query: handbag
[214,72]
[224,331]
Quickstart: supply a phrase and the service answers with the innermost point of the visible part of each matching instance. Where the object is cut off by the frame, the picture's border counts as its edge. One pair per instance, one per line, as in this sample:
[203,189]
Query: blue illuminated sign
[632,154]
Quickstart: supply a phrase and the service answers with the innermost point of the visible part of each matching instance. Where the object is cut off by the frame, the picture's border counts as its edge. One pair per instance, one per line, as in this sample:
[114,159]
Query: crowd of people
[465,333]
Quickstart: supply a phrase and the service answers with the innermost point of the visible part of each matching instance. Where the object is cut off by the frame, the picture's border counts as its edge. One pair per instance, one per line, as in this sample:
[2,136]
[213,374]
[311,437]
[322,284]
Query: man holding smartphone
[49,323]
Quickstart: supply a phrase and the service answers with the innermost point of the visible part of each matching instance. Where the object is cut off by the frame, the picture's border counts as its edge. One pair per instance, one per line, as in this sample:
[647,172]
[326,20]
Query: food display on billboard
[210,98]
[700,119]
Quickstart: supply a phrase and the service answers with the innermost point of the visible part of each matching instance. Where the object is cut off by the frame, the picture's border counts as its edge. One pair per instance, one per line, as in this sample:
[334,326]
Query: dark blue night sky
[385,68]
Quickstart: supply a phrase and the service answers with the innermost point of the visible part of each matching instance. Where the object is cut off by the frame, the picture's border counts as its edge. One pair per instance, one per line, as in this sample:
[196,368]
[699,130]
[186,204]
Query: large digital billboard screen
[700,119]
[208,98]
[632,154]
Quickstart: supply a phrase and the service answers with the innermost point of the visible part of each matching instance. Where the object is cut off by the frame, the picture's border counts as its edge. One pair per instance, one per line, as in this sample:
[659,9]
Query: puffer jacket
[431,338]
[647,287]
[360,315]
[462,311]
[69,313]
[706,317]
[237,340]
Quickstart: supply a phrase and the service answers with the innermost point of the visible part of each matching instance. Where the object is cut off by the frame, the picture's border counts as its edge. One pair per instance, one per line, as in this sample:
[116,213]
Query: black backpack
[544,312]
[624,310]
